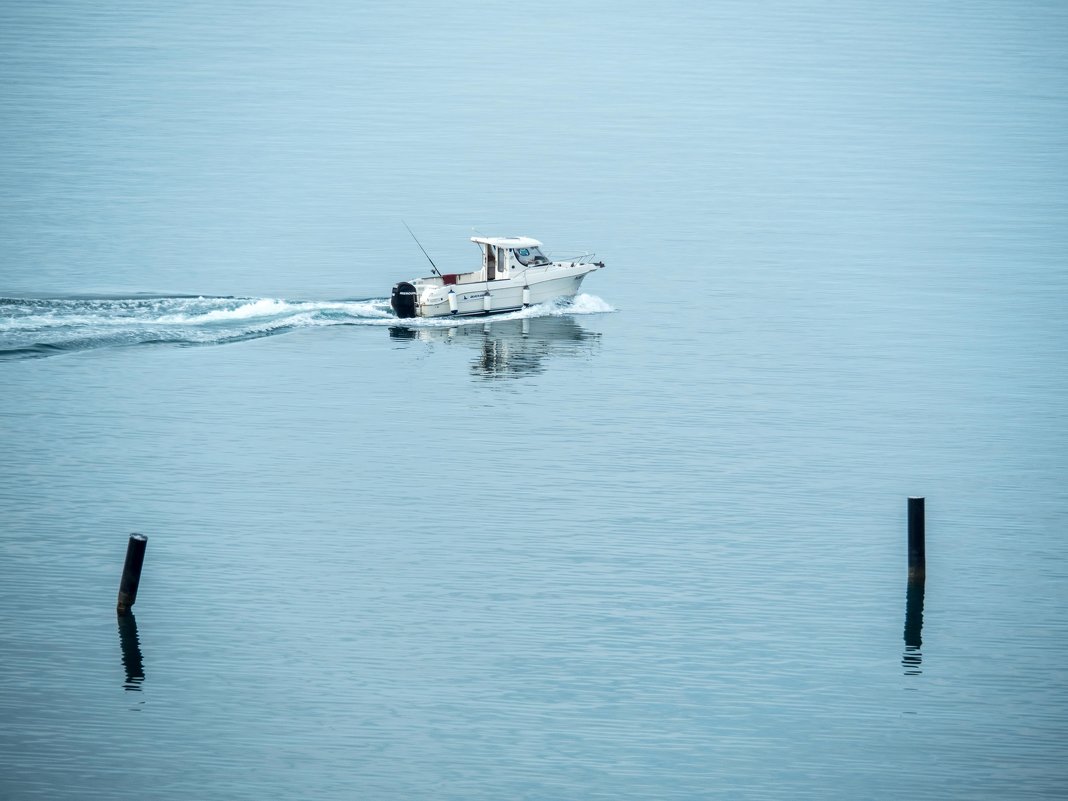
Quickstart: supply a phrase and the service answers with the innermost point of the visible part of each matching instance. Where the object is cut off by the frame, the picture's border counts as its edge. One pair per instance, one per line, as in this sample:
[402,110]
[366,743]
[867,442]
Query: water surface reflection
[510,348]
[132,660]
[912,659]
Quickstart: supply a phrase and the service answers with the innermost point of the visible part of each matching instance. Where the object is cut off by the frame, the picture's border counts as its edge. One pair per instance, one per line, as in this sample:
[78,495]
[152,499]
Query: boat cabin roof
[507,241]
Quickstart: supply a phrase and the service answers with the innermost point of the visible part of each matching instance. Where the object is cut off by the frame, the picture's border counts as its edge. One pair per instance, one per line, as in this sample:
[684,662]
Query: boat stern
[404,300]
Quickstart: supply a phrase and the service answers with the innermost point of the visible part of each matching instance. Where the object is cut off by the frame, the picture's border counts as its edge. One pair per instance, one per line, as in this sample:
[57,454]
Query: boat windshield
[529,256]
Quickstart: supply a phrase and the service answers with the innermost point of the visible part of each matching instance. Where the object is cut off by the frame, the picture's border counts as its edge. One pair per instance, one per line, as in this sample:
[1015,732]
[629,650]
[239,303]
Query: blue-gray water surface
[647,545]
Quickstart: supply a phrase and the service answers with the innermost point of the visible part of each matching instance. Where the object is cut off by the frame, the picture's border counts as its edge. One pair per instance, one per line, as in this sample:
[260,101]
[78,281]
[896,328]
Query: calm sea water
[650,545]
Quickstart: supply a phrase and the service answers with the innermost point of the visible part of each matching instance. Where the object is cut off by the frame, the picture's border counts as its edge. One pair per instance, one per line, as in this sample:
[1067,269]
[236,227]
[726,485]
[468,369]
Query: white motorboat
[514,274]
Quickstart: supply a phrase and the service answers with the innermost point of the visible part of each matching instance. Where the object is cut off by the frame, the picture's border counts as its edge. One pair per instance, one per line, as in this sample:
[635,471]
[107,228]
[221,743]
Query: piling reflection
[912,659]
[132,660]
[510,348]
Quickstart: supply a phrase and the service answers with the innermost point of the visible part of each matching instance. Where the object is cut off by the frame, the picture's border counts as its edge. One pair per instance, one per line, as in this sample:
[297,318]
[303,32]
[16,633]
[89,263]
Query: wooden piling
[917,547]
[131,572]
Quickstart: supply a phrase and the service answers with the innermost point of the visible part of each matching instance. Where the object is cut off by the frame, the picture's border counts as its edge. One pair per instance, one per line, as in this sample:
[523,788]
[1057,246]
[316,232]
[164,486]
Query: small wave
[39,327]
[584,304]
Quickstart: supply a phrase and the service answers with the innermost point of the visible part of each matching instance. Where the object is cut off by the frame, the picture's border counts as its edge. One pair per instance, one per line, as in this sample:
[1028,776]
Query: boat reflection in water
[510,348]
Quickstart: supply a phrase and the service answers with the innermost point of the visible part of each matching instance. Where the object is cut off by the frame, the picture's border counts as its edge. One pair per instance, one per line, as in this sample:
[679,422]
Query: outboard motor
[403,299]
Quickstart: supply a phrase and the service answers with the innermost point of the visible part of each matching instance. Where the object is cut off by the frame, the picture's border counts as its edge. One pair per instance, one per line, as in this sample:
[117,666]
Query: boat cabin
[502,257]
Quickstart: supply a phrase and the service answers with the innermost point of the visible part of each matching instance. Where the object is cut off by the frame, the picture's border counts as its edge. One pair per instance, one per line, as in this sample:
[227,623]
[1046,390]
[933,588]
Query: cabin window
[529,256]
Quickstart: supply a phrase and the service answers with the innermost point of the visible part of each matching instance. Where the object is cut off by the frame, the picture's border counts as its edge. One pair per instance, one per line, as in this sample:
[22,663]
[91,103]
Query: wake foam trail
[38,327]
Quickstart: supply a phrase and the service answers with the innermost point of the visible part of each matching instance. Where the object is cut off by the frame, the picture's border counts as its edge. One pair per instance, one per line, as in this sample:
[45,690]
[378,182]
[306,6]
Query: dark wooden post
[917,548]
[131,572]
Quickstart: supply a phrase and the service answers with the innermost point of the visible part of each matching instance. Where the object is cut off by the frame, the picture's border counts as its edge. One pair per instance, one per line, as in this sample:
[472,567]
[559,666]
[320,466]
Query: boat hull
[433,298]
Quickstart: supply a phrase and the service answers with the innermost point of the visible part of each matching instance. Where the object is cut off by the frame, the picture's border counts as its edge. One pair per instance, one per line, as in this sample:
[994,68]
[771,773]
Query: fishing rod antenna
[433,266]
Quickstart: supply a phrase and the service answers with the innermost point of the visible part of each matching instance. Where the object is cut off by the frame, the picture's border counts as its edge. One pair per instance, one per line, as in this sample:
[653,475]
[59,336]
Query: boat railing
[585,258]
[574,261]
